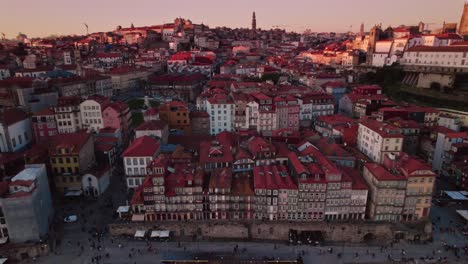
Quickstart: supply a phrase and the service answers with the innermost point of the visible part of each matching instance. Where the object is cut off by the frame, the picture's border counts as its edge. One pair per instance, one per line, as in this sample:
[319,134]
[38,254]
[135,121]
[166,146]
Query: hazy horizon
[54,17]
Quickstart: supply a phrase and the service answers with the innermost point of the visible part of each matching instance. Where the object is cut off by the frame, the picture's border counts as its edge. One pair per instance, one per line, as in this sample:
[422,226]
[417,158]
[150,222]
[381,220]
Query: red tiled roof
[460,43]
[152,125]
[171,79]
[199,114]
[296,163]
[272,177]
[257,145]
[119,107]
[22,82]
[142,147]
[221,178]
[457,135]
[336,120]
[137,197]
[438,49]
[383,129]
[330,148]
[242,154]
[108,55]
[102,100]
[151,111]
[334,84]
[358,182]
[45,112]
[73,141]
[12,116]
[69,101]
[449,36]
[381,174]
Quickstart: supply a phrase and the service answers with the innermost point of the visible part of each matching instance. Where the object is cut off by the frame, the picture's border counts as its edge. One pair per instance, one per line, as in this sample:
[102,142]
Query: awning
[3,240]
[155,233]
[140,233]
[123,209]
[463,213]
[138,217]
[456,196]
[3,260]
[164,233]
[73,193]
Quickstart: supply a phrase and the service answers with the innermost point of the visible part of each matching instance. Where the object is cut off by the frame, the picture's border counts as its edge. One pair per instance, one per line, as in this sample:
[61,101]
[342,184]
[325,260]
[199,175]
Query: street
[86,241]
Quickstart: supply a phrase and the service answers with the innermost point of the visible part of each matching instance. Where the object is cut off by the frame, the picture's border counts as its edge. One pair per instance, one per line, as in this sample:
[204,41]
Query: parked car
[70,219]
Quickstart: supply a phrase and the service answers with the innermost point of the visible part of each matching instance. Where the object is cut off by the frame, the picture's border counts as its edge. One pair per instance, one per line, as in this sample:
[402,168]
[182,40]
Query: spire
[254,22]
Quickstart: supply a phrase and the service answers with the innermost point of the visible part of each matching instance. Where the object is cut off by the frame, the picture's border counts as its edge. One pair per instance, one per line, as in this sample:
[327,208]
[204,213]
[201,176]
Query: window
[13,142]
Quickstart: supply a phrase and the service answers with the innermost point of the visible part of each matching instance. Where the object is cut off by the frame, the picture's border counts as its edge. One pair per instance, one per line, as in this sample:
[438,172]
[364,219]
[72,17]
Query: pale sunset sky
[39,18]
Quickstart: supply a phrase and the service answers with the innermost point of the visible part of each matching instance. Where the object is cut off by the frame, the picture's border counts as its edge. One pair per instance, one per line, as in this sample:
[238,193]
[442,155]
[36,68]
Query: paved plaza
[80,245]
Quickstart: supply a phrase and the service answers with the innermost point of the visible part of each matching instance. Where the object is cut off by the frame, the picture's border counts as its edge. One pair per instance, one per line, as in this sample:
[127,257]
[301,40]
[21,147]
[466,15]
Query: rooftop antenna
[86,25]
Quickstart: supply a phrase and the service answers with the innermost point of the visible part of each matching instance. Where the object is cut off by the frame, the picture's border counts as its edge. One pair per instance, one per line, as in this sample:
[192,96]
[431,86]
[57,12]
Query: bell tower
[254,22]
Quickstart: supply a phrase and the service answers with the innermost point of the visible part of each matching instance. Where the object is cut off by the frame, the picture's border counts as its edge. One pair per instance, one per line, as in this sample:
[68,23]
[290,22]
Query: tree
[272,76]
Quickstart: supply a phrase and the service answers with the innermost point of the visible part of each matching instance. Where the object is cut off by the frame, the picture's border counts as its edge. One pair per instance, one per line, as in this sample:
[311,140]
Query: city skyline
[297,16]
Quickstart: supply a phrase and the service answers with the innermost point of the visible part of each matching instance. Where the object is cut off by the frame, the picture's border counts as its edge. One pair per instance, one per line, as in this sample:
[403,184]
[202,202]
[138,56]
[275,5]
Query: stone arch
[368,237]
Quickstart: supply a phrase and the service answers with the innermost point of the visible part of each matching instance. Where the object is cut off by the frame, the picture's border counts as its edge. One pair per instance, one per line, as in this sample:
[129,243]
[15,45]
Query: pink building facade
[117,115]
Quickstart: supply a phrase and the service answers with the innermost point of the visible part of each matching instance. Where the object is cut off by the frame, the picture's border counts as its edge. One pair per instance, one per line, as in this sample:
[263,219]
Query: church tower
[254,22]
[463,28]
[361,30]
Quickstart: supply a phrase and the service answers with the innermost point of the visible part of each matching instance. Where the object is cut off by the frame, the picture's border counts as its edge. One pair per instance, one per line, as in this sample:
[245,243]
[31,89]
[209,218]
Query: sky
[40,18]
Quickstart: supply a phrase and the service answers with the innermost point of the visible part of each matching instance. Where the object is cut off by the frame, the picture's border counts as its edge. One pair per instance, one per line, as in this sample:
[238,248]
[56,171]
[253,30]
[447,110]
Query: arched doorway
[368,238]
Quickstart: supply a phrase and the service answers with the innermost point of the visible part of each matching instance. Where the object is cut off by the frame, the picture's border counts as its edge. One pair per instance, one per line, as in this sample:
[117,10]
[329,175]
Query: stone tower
[374,36]
[361,30]
[463,28]
[254,22]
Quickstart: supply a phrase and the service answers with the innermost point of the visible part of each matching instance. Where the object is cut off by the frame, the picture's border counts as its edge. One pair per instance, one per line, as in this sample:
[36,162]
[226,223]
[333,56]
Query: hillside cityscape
[184,143]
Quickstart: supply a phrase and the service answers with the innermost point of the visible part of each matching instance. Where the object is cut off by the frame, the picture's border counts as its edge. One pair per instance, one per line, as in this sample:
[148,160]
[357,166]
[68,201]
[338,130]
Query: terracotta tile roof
[382,174]
[329,148]
[242,186]
[151,111]
[69,101]
[336,120]
[272,177]
[257,145]
[438,49]
[152,125]
[142,147]
[299,168]
[137,197]
[383,129]
[358,182]
[176,79]
[12,116]
[215,152]
[242,154]
[119,107]
[457,135]
[45,112]
[71,141]
[221,178]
